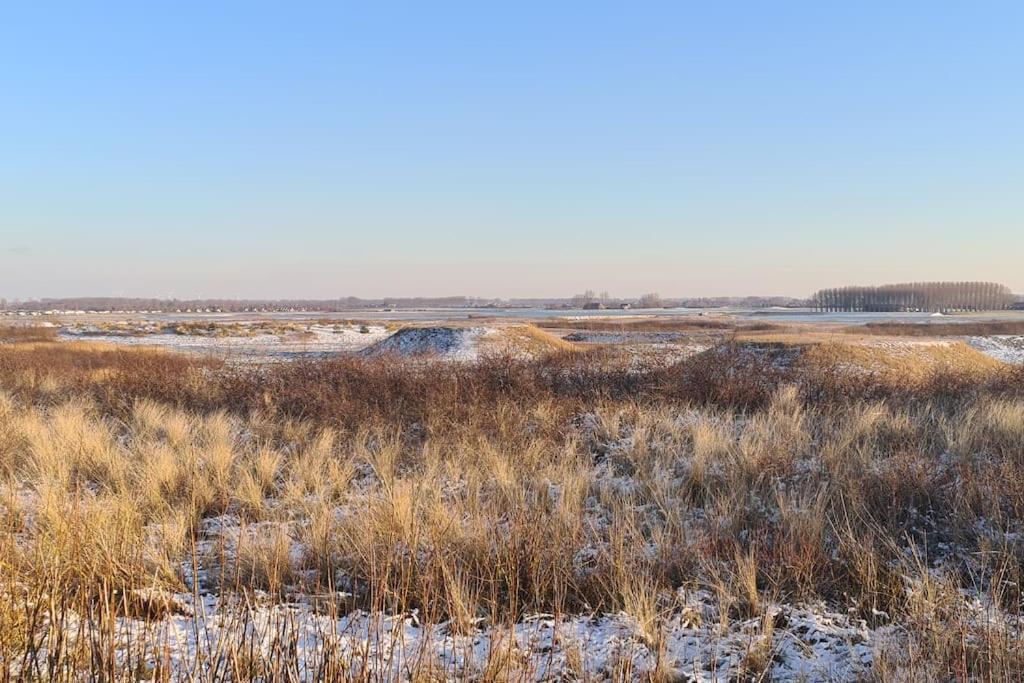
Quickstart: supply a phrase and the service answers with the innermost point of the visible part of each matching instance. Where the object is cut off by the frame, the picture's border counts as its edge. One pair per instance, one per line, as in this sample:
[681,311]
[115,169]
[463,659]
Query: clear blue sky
[328,149]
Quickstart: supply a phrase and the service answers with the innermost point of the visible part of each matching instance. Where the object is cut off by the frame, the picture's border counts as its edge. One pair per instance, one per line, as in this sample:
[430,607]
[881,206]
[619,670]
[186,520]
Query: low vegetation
[757,511]
[26,333]
[947,329]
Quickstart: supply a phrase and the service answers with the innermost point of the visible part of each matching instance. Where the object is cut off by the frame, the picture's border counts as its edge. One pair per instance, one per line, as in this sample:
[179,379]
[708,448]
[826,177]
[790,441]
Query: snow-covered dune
[1007,348]
[450,343]
[469,343]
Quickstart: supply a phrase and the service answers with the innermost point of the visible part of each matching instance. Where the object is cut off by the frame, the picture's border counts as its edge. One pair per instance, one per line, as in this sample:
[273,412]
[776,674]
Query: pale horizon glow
[243,150]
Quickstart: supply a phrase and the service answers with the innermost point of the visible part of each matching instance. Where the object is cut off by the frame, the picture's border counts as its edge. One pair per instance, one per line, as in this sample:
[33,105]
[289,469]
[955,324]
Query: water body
[794,315]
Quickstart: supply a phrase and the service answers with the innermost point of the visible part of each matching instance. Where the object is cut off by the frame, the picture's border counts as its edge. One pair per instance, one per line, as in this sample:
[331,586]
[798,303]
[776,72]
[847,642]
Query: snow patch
[314,340]
[804,642]
[1007,348]
[448,343]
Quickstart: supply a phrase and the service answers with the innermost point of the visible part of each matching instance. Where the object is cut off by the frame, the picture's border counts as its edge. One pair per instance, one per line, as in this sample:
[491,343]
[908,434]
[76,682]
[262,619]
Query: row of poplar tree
[937,297]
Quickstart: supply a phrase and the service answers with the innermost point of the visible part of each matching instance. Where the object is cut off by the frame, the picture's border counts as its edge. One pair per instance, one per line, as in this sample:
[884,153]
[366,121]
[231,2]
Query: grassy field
[758,511]
[26,333]
[933,329]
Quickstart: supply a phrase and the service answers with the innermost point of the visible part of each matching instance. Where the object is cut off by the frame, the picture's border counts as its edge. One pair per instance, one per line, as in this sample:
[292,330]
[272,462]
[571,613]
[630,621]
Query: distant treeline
[742,302]
[655,300]
[103,304]
[933,297]
[233,305]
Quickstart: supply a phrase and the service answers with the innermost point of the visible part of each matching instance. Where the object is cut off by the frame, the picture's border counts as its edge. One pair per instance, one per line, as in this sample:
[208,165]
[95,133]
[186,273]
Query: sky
[306,149]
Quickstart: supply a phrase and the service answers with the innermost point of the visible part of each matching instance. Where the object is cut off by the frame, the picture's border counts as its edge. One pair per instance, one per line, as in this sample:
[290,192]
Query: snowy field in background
[316,340]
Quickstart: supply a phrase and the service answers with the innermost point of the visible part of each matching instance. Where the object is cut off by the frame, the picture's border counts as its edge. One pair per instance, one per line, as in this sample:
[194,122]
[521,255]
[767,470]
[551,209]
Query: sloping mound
[469,343]
[900,360]
[909,357]
[1006,348]
[748,372]
[525,340]
[896,361]
[452,343]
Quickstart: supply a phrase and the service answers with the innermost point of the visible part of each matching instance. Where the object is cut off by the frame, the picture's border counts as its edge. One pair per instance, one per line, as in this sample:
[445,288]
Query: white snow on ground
[448,343]
[802,642]
[694,641]
[907,347]
[1007,348]
[698,642]
[315,340]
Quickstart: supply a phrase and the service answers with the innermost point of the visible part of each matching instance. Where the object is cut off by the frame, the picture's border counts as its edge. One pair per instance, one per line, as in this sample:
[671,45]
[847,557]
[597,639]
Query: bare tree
[650,300]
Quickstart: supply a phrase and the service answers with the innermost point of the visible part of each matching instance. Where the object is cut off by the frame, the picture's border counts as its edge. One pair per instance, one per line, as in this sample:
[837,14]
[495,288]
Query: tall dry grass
[480,495]
[11,334]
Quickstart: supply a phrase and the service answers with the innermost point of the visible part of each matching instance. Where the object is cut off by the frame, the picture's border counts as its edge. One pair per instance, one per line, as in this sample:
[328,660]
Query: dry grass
[530,340]
[26,333]
[481,495]
[903,362]
[941,329]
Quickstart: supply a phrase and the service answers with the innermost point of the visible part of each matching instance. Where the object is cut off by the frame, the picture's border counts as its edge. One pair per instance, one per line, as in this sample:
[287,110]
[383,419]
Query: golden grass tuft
[529,340]
[902,361]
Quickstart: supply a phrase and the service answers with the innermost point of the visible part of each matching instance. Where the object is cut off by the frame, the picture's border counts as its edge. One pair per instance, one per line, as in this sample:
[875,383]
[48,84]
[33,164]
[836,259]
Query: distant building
[594,306]
[625,307]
